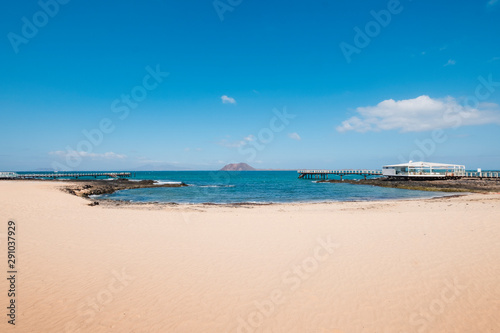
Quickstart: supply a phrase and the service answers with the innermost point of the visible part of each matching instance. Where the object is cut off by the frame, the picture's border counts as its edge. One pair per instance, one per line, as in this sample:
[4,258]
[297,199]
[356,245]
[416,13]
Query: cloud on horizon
[227,100]
[420,114]
[109,155]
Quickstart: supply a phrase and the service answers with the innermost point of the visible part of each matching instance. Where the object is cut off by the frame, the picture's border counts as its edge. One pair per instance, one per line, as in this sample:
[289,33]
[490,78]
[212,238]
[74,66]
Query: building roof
[425,165]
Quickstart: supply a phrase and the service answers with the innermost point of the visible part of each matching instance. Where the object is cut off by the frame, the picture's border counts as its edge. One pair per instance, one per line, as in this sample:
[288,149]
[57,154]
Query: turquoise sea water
[254,187]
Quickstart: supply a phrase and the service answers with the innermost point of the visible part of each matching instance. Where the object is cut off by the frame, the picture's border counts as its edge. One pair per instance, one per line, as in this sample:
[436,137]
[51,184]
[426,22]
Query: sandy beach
[386,267]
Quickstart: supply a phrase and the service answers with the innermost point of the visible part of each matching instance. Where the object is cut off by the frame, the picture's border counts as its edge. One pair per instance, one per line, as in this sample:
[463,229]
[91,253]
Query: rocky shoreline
[85,188]
[448,185]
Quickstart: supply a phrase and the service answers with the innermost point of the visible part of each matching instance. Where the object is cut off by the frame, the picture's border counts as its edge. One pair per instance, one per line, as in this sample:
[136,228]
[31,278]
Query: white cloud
[108,155]
[492,2]
[420,114]
[227,100]
[450,62]
[250,137]
[294,136]
[236,144]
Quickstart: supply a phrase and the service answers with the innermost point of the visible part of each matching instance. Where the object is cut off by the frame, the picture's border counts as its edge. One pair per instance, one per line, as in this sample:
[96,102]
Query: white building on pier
[423,170]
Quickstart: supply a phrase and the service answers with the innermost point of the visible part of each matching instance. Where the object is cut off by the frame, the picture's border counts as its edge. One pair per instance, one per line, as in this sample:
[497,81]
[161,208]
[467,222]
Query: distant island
[238,167]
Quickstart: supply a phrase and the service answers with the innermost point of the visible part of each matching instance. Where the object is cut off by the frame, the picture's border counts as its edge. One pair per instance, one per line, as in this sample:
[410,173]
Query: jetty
[482,174]
[324,174]
[56,175]
[407,171]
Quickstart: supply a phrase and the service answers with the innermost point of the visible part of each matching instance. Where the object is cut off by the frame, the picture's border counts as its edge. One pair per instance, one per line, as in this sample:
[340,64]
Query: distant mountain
[238,167]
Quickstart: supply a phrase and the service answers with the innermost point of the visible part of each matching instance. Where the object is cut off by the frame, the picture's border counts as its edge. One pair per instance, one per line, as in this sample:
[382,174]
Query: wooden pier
[324,174]
[485,174]
[55,175]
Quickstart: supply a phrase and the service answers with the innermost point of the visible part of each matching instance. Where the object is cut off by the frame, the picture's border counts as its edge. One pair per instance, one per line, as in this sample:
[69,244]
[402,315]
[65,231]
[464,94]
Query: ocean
[222,187]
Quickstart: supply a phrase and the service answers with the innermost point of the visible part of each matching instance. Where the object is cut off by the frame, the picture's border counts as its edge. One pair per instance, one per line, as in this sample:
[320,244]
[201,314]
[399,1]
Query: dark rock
[445,185]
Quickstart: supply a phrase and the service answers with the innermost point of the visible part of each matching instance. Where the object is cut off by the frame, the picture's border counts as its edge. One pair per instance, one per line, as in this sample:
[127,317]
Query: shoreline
[450,185]
[454,187]
[88,188]
[78,188]
[123,203]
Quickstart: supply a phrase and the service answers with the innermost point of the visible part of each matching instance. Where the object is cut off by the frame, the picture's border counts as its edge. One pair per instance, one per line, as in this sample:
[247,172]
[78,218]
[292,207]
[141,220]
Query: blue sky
[198,84]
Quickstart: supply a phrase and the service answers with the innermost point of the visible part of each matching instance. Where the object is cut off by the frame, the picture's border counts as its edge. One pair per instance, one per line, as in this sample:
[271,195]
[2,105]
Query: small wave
[214,186]
[161,182]
[240,203]
[135,180]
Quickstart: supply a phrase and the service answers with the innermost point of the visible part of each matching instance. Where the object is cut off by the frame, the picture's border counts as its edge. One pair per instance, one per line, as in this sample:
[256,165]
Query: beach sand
[392,266]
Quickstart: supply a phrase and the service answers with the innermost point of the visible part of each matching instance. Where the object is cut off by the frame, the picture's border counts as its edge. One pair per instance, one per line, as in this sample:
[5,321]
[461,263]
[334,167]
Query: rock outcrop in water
[86,188]
[450,185]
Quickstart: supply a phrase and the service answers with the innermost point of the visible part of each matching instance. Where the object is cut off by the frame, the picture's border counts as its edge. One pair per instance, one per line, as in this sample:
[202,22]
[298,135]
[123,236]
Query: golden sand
[392,266]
